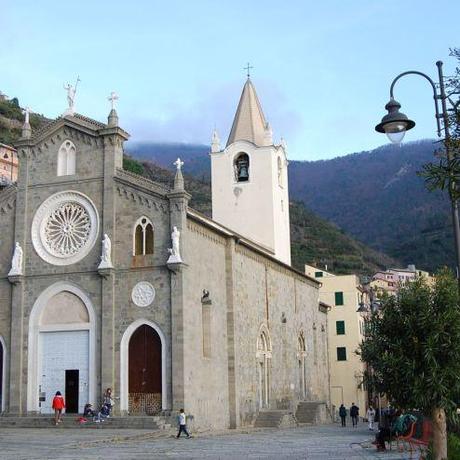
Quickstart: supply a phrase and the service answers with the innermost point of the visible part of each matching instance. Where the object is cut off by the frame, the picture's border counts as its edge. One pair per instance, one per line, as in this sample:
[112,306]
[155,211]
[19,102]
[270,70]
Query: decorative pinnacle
[26,129]
[178,178]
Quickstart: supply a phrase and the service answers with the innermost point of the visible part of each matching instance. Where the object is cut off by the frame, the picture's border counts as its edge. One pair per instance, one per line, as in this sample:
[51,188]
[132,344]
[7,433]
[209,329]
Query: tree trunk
[439,434]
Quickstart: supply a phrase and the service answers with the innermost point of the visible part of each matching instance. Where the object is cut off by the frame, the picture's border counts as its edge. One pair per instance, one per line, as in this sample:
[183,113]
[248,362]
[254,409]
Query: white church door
[64,368]
[61,349]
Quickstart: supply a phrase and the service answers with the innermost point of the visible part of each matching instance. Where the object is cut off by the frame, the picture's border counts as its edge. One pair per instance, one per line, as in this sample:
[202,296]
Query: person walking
[58,404]
[343,414]
[354,414]
[370,415]
[182,424]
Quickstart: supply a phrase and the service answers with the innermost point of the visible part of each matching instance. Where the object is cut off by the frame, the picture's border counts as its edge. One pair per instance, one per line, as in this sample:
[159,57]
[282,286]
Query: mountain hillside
[375,196]
[313,240]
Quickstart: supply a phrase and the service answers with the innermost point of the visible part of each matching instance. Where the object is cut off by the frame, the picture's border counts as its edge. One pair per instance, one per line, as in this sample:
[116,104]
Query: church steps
[311,412]
[275,419]
[71,421]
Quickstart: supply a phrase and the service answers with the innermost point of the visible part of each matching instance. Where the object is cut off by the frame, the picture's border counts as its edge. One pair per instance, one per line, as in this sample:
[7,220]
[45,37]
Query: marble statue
[71,90]
[106,256]
[26,113]
[16,261]
[175,250]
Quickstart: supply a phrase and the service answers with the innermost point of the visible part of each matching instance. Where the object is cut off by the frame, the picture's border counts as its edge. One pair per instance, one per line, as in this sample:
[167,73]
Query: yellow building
[345,332]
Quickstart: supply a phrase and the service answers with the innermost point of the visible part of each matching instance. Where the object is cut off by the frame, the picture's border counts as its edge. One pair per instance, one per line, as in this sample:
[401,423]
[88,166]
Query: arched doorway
[263,359]
[61,349]
[145,371]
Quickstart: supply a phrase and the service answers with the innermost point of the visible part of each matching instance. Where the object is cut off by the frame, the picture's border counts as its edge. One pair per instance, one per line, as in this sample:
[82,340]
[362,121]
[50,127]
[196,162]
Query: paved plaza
[330,442]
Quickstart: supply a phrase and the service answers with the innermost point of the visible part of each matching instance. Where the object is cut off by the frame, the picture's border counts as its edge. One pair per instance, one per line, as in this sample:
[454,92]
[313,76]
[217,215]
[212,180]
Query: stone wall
[206,381]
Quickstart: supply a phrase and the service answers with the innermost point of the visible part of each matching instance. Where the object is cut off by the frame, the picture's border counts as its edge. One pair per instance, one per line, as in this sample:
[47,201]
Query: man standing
[354,414]
[343,414]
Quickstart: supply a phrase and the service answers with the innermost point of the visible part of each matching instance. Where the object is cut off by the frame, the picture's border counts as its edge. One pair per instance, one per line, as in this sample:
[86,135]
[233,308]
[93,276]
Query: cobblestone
[329,442]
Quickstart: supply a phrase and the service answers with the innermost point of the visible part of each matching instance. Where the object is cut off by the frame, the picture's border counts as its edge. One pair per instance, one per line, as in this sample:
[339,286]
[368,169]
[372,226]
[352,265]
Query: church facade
[108,279]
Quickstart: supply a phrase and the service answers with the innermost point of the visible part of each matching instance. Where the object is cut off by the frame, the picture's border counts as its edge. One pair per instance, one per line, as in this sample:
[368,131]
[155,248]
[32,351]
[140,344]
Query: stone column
[17,356]
[178,202]
[113,138]
[231,355]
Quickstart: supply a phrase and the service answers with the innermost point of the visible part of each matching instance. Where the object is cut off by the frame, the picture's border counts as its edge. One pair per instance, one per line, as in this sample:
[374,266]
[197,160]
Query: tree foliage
[413,345]
[445,174]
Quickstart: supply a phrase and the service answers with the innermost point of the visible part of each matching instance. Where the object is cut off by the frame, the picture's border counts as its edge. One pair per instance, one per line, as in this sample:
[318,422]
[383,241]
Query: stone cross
[26,112]
[178,163]
[113,98]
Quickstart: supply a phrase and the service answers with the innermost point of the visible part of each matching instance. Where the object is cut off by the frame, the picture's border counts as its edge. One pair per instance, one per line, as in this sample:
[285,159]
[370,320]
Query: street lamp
[395,124]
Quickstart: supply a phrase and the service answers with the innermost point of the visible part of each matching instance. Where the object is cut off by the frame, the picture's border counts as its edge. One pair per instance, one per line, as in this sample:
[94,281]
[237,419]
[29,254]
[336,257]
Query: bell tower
[250,179]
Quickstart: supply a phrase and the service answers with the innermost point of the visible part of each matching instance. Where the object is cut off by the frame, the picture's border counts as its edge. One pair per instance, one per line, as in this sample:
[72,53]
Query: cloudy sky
[322,69]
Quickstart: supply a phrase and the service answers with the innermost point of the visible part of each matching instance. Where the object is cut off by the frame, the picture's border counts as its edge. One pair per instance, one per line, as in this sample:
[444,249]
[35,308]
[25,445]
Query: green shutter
[339,298]
[318,274]
[341,354]
[340,327]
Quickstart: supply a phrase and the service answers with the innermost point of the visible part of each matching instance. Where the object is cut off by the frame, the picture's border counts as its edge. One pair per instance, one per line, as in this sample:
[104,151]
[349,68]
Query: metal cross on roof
[248,68]
[178,163]
[113,98]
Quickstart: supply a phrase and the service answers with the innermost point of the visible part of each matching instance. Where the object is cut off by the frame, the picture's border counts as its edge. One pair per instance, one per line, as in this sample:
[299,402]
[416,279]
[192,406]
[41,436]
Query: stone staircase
[157,422]
[311,412]
[275,419]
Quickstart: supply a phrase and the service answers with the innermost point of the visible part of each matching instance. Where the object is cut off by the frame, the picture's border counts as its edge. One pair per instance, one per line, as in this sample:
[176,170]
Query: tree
[445,174]
[412,345]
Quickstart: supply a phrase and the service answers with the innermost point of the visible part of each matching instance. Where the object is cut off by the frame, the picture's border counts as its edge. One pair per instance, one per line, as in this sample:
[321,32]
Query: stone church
[108,279]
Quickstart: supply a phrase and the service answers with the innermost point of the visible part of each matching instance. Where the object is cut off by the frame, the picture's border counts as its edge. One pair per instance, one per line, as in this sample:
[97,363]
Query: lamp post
[395,124]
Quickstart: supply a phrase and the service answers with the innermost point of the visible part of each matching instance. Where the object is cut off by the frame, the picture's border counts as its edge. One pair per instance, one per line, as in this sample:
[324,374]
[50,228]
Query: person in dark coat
[343,414]
[354,414]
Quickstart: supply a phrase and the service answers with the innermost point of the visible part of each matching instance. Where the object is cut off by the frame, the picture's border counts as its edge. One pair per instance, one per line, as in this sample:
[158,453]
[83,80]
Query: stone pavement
[329,442]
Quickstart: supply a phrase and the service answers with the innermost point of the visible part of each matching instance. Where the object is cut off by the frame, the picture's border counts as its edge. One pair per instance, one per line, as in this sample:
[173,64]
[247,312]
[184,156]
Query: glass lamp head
[394,124]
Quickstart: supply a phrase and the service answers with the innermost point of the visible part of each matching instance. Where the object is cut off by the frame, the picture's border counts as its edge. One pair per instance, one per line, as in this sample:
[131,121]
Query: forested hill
[376,196]
[313,240]
[12,119]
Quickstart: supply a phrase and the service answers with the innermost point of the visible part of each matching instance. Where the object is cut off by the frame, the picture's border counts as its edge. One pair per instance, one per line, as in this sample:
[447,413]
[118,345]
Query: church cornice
[130,192]
[134,180]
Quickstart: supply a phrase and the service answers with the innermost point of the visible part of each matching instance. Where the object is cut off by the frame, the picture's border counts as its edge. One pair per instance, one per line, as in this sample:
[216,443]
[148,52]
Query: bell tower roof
[249,123]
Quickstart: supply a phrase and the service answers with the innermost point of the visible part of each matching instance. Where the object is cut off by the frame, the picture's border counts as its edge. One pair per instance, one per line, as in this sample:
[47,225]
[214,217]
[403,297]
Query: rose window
[67,229]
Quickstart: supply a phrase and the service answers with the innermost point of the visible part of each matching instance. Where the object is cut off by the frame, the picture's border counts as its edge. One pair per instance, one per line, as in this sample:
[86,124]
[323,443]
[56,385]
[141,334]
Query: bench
[422,442]
[407,437]
[416,443]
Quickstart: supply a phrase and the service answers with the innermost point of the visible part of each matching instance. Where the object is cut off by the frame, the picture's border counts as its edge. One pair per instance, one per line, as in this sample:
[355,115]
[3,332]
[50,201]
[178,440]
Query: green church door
[144,384]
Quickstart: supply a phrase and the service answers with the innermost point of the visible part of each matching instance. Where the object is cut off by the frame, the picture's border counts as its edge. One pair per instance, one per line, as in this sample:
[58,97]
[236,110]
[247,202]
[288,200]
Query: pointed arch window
[66,158]
[241,167]
[302,364]
[143,237]
[264,358]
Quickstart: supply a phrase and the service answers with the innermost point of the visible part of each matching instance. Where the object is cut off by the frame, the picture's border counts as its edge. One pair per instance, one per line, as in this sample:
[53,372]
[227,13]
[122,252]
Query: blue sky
[322,69]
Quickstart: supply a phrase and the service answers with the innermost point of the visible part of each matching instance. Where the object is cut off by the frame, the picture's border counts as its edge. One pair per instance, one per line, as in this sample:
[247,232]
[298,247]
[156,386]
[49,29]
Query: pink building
[8,163]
